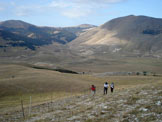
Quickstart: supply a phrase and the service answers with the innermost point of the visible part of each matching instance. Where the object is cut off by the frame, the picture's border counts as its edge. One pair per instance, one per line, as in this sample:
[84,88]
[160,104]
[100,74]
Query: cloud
[67,3]
[12,3]
[23,11]
[68,8]
[1,8]
[98,1]
[29,10]
[76,13]
[59,4]
[80,8]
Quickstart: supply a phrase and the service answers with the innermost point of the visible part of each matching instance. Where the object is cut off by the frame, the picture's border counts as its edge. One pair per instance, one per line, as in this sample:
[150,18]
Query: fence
[25,107]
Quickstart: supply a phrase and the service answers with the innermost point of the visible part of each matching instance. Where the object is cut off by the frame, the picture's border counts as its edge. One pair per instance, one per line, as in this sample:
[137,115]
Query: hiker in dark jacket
[112,87]
[106,85]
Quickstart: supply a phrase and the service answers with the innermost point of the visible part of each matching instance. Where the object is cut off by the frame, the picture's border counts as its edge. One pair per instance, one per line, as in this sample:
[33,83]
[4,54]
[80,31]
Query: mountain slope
[15,24]
[79,29]
[130,33]
[19,33]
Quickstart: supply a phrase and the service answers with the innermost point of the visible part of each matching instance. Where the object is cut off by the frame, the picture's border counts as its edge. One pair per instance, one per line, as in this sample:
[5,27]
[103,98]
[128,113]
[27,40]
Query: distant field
[103,63]
[20,82]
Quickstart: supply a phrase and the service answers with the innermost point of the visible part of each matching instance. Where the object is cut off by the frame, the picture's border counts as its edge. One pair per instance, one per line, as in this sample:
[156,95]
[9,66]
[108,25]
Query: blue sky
[61,13]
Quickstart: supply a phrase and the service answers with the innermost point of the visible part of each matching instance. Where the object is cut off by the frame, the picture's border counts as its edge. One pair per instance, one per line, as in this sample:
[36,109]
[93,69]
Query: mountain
[130,43]
[15,24]
[129,34]
[79,29]
[21,34]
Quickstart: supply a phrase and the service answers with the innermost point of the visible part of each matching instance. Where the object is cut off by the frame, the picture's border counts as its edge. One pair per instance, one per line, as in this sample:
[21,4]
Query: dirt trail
[142,103]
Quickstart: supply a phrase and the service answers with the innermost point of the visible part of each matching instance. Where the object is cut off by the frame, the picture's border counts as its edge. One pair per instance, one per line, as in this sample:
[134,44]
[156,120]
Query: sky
[63,13]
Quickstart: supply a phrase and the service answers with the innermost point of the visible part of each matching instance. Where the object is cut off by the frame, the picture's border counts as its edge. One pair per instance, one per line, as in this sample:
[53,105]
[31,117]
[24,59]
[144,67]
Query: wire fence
[24,107]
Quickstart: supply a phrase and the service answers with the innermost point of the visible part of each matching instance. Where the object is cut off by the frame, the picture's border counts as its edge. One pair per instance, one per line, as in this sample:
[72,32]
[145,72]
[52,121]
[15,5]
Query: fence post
[51,101]
[71,92]
[22,108]
[51,97]
[30,105]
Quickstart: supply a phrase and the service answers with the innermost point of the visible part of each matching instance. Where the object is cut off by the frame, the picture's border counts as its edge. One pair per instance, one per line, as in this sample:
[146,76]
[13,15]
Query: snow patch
[158,103]
[143,109]
[116,50]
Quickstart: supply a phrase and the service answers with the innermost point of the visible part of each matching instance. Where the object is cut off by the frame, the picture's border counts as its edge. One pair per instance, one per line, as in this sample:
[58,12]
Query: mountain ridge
[130,33]
[20,33]
[133,34]
[95,49]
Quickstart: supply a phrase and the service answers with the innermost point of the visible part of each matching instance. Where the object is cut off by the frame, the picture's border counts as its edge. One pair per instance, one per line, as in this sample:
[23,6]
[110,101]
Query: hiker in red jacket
[93,89]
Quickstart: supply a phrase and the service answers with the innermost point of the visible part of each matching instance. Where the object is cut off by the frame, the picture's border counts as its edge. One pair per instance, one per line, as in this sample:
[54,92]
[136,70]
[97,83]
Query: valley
[46,72]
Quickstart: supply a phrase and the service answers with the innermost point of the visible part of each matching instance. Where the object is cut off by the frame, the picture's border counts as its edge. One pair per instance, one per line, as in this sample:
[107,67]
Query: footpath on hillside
[141,103]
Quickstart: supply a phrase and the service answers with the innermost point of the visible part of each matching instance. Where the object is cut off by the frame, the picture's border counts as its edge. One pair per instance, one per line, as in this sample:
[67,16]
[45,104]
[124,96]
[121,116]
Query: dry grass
[100,62]
[149,111]
[20,82]
[132,100]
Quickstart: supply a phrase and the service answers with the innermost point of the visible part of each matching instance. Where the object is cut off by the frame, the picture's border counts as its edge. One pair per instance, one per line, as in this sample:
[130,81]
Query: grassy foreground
[20,82]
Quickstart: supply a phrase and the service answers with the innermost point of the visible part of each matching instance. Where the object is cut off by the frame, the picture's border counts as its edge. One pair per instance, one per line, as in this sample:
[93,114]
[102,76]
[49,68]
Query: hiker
[112,87]
[93,89]
[106,85]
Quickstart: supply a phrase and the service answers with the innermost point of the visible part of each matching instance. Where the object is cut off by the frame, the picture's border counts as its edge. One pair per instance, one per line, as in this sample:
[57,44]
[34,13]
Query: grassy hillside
[21,79]
[19,82]
[100,62]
